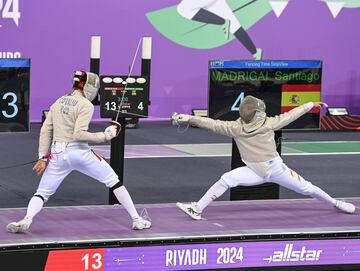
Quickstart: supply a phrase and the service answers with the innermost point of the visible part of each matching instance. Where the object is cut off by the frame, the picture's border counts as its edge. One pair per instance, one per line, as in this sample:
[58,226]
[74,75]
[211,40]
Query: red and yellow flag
[296,95]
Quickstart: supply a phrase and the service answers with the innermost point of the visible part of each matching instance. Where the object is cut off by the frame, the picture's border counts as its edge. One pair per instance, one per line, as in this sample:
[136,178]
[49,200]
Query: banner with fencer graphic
[56,36]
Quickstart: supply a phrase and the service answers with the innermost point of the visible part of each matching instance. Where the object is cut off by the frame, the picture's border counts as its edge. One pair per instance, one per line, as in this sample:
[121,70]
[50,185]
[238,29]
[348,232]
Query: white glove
[179,118]
[110,132]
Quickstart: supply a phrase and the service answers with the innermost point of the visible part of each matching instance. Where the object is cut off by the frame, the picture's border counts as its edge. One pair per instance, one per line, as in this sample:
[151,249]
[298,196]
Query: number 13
[97,258]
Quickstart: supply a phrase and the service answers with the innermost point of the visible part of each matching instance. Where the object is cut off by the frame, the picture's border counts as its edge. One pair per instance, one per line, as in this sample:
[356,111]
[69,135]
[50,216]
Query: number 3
[97,258]
[12,104]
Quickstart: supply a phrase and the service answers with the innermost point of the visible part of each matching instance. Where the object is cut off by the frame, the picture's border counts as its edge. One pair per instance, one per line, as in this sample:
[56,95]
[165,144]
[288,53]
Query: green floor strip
[321,147]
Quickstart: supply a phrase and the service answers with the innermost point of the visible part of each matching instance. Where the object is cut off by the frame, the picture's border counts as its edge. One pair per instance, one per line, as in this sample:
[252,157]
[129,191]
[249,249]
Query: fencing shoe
[20,226]
[141,223]
[190,210]
[345,207]
[258,54]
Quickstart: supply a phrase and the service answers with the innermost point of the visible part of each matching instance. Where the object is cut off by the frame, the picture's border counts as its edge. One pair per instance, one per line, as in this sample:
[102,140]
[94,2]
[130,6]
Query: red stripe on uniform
[97,156]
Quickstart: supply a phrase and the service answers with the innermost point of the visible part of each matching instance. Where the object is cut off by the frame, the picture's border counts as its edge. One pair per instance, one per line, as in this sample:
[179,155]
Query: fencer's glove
[320,105]
[110,132]
[177,119]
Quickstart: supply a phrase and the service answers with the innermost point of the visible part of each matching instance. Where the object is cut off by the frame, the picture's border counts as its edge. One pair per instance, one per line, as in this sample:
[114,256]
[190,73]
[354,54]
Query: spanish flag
[296,95]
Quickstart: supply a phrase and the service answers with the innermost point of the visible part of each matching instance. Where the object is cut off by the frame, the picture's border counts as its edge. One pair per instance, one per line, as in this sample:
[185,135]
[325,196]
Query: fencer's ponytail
[79,80]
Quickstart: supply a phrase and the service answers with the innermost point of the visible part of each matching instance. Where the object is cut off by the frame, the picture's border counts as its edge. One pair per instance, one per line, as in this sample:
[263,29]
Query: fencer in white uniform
[63,147]
[254,134]
[218,12]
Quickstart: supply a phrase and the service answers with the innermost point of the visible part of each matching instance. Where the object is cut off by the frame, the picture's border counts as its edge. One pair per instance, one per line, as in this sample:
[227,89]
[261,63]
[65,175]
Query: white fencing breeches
[281,175]
[67,157]
[188,9]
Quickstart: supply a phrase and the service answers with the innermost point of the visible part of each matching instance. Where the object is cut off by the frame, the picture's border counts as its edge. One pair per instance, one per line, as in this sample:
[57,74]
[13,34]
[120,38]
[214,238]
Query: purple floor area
[106,223]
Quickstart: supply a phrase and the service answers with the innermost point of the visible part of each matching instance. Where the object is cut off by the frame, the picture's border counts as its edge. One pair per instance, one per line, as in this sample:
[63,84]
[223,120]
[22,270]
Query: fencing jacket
[68,121]
[255,140]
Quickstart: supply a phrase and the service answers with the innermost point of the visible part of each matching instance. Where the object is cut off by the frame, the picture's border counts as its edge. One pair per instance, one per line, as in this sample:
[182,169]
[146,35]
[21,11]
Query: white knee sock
[34,207]
[125,200]
[212,194]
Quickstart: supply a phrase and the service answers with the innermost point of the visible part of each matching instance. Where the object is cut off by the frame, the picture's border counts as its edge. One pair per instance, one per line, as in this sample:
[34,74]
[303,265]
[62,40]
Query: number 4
[235,106]
[11,14]
[240,254]
[141,106]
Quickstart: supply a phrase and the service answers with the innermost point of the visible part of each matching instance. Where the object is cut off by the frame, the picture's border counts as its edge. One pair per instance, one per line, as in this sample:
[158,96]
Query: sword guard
[174,119]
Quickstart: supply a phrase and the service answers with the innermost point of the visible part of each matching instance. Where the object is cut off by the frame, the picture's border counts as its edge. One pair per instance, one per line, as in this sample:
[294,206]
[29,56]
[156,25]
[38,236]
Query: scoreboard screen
[129,95]
[14,95]
[282,84]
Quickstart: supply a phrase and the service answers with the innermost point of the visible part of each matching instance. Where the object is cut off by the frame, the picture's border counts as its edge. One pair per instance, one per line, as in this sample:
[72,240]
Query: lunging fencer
[254,135]
[63,144]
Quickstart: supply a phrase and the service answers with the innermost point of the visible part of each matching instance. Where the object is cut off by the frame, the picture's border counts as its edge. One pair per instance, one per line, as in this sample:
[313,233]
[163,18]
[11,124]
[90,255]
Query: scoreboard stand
[121,97]
[117,151]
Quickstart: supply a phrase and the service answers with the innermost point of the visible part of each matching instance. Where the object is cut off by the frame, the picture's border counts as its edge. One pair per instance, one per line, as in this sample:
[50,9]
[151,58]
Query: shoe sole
[184,209]
[14,228]
[347,212]
[145,227]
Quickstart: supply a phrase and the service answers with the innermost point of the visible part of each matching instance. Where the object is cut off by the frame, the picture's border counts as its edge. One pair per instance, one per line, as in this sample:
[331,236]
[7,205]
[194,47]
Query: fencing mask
[249,106]
[88,82]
